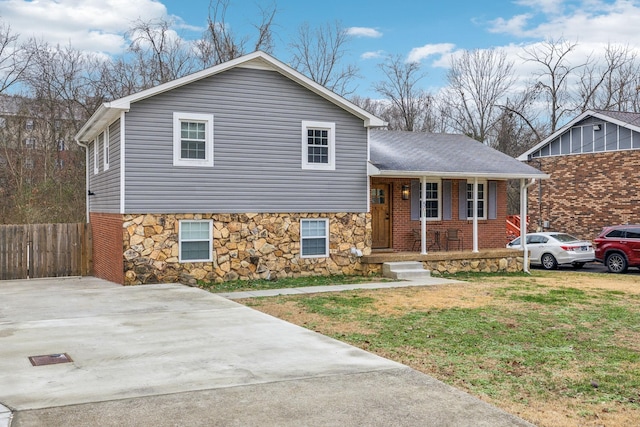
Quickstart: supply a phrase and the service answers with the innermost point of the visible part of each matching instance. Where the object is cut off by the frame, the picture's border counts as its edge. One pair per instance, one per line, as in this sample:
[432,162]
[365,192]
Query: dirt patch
[403,300]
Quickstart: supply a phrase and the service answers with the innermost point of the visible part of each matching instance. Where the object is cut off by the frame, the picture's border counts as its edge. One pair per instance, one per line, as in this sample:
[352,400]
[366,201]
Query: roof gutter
[104,115]
[372,170]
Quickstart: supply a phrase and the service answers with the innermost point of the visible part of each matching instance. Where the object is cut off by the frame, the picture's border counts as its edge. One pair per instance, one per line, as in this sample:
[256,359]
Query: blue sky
[427,31]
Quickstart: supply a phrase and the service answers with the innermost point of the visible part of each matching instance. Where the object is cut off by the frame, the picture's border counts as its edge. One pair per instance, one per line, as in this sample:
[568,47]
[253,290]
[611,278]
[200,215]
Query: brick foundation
[106,230]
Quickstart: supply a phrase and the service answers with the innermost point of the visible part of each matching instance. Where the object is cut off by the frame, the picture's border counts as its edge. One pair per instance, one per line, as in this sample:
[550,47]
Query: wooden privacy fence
[44,250]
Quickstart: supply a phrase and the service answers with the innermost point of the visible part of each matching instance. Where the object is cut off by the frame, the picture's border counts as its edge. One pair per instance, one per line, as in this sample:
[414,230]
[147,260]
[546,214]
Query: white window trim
[177,146]
[105,149]
[485,199]
[439,199]
[209,239]
[96,155]
[331,127]
[326,237]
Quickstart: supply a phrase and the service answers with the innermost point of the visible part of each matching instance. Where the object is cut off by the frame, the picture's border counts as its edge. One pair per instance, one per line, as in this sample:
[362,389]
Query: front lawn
[555,348]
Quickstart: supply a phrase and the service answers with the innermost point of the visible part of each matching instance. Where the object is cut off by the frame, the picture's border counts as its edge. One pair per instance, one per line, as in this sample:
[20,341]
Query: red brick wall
[587,192]
[107,234]
[491,233]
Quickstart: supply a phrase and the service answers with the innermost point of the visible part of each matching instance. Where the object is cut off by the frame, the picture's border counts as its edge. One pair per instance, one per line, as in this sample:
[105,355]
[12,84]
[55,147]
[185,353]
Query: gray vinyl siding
[106,184]
[582,138]
[257,123]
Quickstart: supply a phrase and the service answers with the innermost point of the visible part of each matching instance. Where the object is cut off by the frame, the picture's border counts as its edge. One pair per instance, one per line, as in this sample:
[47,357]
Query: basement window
[195,241]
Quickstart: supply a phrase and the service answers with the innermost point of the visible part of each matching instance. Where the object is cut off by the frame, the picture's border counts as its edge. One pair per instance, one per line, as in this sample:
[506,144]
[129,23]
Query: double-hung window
[105,151]
[96,155]
[318,145]
[195,241]
[482,199]
[432,202]
[314,238]
[192,139]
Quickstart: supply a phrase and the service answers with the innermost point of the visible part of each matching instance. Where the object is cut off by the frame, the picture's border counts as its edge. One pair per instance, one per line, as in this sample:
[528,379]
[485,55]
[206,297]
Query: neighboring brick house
[250,169]
[594,162]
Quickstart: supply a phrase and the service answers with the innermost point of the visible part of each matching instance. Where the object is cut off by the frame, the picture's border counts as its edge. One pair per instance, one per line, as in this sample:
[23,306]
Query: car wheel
[616,263]
[549,262]
[578,264]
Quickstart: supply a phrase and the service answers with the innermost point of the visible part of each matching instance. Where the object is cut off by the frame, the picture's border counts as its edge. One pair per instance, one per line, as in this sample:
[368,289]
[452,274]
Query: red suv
[618,247]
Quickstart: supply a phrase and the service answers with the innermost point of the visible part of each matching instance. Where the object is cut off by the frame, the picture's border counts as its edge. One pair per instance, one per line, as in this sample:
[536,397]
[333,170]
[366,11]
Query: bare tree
[159,53]
[319,52]
[220,44]
[556,71]
[478,81]
[604,84]
[14,59]
[48,167]
[410,106]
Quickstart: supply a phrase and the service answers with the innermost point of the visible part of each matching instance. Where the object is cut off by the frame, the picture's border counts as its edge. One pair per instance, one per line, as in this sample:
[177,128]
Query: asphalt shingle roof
[444,155]
[625,117]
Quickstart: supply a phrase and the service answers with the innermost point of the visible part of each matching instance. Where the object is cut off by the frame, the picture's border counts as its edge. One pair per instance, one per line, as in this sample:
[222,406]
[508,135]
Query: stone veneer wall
[484,261]
[245,246]
[481,262]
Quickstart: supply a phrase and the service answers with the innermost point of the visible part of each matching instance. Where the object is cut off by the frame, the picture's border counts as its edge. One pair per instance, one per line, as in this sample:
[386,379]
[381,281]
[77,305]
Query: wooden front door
[380,216]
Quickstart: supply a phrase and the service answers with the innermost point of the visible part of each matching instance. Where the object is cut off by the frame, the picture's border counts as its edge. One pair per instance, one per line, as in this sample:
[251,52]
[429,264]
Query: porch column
[423,215]
[523,221]
[475,214]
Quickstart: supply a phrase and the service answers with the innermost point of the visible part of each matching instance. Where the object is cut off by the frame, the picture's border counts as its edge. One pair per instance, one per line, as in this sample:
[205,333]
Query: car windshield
[564,238]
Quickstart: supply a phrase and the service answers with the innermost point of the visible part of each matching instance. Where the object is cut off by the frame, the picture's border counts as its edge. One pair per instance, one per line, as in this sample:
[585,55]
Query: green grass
[555,330]
[290,282]
[531,342]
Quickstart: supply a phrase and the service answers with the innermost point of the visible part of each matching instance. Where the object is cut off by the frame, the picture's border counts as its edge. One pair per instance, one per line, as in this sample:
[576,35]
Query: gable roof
[620,118]
[109,111]
[400,153]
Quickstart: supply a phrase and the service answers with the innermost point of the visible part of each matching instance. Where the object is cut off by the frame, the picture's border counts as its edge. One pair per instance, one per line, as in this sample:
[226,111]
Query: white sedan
[551,249]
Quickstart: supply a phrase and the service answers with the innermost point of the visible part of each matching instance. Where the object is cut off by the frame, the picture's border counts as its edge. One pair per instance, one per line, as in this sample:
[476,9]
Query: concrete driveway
[171,355]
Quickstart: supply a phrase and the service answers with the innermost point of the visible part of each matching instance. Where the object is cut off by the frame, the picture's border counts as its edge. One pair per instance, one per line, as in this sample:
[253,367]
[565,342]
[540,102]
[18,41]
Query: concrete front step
[404,270]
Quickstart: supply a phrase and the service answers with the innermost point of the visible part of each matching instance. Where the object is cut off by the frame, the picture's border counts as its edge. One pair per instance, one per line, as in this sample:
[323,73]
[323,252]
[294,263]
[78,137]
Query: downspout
[86,177]
[524,186]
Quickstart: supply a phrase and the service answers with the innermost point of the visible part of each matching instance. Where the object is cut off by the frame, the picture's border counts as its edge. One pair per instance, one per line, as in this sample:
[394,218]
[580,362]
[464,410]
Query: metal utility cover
[50,359]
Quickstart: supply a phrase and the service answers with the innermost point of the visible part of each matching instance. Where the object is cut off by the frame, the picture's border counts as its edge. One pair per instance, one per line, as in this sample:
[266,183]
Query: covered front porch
[442,199]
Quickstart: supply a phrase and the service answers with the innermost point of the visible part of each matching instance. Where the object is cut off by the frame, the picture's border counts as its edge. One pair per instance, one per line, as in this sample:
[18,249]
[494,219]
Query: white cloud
[364,32]
[545,6]
[515,25]
[590,24]
[91,25]
[417,54]
[587,21]
[373,54]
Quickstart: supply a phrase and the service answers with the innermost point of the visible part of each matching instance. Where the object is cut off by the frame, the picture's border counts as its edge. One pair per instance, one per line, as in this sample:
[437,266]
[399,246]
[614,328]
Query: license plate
[584,248]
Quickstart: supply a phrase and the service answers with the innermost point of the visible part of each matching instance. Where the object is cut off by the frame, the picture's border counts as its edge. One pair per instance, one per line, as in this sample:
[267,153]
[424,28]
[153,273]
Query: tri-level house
[594,162]
[250,169]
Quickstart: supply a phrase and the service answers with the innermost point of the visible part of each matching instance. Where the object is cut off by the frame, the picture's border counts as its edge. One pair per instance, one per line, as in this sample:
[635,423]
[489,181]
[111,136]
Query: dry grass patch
[555,348]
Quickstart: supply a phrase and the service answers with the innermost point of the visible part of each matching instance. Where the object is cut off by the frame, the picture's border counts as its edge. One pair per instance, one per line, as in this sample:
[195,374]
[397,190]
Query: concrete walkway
[171,355]
[337,288]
